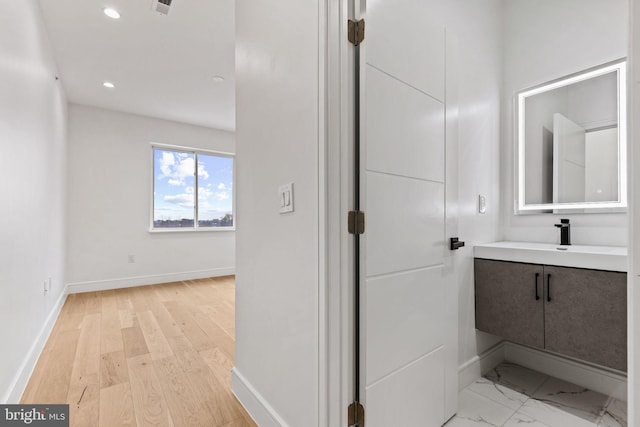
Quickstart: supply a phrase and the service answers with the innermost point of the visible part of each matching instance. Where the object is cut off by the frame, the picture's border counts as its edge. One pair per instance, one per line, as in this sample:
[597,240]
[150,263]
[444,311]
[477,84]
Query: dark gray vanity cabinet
[586,317]
[572,311]
[506,303]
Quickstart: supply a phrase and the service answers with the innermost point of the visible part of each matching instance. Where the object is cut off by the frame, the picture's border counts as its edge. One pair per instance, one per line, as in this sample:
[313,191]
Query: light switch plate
[285,194]
[482,204]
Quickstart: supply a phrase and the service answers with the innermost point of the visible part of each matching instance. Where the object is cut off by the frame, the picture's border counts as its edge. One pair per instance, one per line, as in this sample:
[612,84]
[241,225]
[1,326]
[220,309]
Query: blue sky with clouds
[174,185]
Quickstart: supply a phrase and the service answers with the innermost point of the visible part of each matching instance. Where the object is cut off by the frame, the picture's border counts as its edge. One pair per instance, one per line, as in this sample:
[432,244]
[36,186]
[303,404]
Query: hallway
[152,355]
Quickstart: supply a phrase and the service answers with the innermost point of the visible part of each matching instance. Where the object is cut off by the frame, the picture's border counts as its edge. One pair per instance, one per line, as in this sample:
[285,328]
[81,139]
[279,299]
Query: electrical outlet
[132,259]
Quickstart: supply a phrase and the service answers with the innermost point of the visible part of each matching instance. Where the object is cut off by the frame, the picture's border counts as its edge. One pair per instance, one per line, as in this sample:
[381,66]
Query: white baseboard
[23,374]
[259,409]
[479,365]
[153,279]
[609,382]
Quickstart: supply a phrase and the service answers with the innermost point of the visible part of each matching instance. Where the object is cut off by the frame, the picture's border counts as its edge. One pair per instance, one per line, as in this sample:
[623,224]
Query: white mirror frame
[614,206]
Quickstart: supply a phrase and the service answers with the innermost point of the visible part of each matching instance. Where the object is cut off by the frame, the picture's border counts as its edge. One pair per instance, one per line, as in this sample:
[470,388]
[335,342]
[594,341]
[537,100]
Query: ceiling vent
[162,6]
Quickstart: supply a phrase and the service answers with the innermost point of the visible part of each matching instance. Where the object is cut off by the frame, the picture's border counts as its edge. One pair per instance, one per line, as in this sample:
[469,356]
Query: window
[192,190]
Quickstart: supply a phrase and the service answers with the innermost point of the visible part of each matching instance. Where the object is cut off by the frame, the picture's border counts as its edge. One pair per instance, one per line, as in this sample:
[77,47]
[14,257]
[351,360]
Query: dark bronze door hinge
[356,31]
[356,222]
[356,414]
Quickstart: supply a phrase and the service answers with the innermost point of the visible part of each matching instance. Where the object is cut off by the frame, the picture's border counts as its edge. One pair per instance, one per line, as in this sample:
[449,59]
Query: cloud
[166,163]
[184,199]
[176,167]
[180,199]
[204,193]
[207,193]
[202,171]
[222,195]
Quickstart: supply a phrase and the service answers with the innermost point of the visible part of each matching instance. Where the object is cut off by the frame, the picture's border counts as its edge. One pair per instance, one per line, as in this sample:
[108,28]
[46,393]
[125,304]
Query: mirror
[571,143]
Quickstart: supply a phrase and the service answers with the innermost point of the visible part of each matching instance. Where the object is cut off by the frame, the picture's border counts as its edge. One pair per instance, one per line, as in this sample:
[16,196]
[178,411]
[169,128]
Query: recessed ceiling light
[218,79]
[111,13]
[108,85]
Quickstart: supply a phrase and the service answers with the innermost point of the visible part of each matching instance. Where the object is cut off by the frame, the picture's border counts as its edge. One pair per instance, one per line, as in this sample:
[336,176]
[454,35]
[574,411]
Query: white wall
[277,133]
[545,40]
[109,198]
[32,189]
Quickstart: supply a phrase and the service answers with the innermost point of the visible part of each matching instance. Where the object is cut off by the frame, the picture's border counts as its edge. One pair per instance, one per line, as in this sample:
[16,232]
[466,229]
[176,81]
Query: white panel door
[410,363]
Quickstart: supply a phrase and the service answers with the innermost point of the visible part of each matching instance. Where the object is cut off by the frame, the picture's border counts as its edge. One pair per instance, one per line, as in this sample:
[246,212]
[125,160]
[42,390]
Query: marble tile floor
[511,395]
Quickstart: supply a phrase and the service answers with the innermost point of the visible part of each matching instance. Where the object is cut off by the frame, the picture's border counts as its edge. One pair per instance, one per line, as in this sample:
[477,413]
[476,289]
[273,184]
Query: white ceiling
[162,65]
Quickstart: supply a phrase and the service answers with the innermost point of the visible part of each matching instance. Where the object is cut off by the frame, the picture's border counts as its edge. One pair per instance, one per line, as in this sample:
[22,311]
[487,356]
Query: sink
[611,258]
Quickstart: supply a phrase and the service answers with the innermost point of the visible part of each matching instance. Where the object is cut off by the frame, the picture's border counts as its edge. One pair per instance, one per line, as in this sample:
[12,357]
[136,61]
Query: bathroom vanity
[567,300]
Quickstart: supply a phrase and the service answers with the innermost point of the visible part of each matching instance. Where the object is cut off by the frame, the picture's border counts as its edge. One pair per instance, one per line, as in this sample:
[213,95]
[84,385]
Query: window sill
[191,230]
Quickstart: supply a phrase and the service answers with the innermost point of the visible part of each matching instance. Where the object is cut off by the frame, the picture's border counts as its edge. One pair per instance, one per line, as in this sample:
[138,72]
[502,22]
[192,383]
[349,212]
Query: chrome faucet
[565,232]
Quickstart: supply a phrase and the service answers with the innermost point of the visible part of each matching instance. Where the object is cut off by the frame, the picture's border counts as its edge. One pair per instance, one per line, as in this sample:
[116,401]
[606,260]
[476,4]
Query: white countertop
[611,258]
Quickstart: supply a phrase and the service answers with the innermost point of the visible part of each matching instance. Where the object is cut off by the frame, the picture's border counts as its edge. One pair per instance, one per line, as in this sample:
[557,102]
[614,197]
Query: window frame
[195,152]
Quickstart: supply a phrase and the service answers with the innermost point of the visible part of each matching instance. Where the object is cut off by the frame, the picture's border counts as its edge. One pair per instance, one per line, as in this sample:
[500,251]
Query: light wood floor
[148,356]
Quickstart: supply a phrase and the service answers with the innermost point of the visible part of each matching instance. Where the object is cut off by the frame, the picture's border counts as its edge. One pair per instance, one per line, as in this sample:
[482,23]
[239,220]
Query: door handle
[536,285]
[548,287]
[455,243]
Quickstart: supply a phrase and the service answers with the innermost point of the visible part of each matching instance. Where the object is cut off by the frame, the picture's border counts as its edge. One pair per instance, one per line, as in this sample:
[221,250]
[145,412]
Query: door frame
[633,157]
[335,139]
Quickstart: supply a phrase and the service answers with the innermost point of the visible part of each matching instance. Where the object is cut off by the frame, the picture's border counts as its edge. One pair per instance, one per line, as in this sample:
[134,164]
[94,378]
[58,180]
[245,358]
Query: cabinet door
[587,315]
[506,303]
